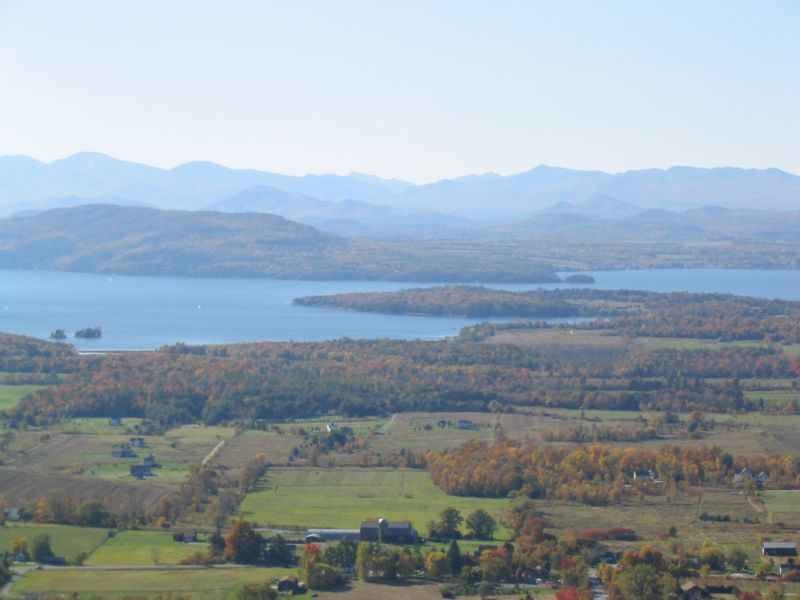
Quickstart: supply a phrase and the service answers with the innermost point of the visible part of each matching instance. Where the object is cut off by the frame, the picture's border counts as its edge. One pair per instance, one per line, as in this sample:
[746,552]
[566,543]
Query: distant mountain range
[359,204]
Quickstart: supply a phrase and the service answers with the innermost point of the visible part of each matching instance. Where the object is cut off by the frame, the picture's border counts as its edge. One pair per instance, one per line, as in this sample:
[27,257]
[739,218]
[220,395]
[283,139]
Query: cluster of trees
[480,525]
[244,545]
[596,474]
[58,507]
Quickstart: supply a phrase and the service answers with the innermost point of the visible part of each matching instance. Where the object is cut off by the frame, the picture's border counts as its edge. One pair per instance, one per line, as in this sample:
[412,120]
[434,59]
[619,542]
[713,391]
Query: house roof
[780,546]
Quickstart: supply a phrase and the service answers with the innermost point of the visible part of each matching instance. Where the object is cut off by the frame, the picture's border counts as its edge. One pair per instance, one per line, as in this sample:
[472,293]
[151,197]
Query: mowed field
[783,506]
[10,395]
[343,497]
[66,540]
[202,583]
[144,548]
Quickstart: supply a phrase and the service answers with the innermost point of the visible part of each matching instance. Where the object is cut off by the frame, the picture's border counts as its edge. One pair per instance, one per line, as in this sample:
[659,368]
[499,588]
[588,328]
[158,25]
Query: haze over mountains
[359,204]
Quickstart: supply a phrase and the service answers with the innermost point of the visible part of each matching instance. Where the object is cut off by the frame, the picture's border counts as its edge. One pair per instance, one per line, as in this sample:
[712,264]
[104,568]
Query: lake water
[142,313]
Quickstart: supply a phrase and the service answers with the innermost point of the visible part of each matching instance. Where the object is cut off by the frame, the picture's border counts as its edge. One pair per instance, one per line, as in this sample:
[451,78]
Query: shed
[782,549]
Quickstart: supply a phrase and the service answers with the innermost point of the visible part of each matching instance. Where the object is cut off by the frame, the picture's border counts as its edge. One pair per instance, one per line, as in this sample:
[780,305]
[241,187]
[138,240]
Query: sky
[419,90]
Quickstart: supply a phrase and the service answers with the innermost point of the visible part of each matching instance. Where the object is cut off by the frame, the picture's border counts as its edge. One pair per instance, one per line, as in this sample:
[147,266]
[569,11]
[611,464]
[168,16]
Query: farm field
[66,540]
[10,395]
[783,506]
[652,516]
[202,583]
[145,548]
[277,447]
[343,497]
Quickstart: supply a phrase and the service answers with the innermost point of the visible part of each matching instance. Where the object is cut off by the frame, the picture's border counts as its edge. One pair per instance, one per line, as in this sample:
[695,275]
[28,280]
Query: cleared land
[203,584]
[66,540]
[783,506]
[343,497]
[145,548]
[10,395]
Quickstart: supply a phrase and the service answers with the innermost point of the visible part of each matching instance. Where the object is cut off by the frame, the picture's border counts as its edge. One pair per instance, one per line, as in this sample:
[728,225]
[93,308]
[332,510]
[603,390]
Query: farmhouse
[399,532]
[115,422]
[465,424]
[137,442]
[331,427]
[124,451]
[184,535]
[141,471]
[150,461]
[645,476]
[691,591]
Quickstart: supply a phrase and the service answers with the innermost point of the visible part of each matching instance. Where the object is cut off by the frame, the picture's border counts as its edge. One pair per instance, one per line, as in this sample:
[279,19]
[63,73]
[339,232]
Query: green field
[203,584]
[782,503]
[143,548]
[97,426]
[10,395]
[66,540]
[343,497]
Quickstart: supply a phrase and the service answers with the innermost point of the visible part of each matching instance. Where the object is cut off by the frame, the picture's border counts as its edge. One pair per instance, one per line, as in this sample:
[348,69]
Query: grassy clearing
[661,343]
[66,540]
[143,548]
[98,426]
[11,395]
[311,497]
[202,584]
[783,506]
[652,517]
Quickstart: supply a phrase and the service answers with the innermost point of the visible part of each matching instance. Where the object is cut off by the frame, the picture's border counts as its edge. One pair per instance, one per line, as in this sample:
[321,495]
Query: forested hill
[482,302]
[145,241]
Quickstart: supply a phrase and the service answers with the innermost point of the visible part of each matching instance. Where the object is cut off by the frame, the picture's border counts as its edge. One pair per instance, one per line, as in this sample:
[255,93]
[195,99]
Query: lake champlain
[142,313]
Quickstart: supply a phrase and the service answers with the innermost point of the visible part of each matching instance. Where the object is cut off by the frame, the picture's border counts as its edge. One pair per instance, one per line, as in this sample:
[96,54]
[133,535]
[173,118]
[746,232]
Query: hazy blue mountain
[494,199]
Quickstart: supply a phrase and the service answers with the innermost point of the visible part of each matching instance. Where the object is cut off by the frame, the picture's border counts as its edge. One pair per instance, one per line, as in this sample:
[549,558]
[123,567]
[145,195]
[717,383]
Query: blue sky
[420,90]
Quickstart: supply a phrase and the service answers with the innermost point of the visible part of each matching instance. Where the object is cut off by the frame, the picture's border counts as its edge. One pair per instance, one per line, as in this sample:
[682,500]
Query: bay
[142,313]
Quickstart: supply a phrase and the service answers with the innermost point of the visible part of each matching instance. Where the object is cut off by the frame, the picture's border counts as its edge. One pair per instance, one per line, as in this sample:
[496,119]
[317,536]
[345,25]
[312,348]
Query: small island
[579,278]
[58,335]
[89,333]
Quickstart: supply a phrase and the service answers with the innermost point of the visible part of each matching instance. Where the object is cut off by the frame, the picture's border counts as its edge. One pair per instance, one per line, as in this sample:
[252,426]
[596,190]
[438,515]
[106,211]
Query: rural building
[691,591]
[745,475]
[780,549]
[465,424]
[184,535]
[399,532]
[141,471]
[137,442]
[12,513]
[645,476]
[115,422]
[150,461]
[331,535]
[124,451]
[786,552]
[331,427]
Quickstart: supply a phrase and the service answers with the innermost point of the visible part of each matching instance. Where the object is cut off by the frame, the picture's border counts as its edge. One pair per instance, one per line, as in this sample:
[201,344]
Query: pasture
[143,548]
[783,506]
[343,497]
[66,540]
[201,583]
[10,395]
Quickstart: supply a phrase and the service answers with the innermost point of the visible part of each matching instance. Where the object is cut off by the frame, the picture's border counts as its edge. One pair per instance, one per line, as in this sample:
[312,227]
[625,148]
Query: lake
[142,313]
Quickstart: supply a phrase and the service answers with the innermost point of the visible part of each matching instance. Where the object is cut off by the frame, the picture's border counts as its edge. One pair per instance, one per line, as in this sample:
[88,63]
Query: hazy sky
[418,90]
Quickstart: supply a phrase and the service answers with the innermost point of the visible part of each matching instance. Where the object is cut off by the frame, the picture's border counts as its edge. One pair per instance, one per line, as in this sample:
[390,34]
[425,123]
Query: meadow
[143,548]
[343,497]
[10,395]
[201,583]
